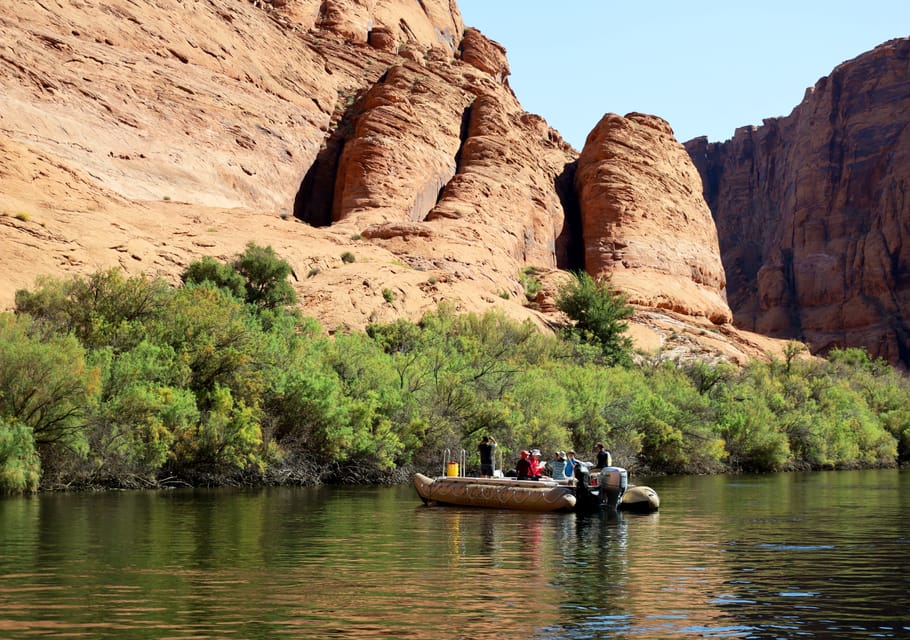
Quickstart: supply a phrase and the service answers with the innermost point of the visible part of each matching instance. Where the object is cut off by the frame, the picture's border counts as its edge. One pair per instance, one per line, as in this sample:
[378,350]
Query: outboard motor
[587,497]
[613,484]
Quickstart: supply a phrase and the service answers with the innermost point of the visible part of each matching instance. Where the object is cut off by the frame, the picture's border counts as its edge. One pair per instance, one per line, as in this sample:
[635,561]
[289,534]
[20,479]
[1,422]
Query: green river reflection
[778,556]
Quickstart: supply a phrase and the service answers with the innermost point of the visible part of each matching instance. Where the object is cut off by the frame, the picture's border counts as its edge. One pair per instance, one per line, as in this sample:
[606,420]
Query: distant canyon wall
[813,211]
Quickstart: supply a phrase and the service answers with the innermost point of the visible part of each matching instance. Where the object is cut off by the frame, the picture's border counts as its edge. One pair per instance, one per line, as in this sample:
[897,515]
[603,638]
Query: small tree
[224,276]
[599,312]
[46,387]
[20,467]
[258,276]
[103,309]
[266,277]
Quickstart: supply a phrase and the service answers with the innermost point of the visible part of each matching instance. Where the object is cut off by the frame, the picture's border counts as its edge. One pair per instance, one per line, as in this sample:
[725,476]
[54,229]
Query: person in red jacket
[523,467]
[537,466]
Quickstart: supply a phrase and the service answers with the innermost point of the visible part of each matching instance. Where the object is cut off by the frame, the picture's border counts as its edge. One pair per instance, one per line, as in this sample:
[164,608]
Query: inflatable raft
[607,488]
[639,499]
[497,493]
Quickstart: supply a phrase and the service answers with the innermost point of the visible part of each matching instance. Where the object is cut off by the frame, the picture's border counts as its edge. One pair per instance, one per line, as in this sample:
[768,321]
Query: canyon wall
[812,211]
[376,145]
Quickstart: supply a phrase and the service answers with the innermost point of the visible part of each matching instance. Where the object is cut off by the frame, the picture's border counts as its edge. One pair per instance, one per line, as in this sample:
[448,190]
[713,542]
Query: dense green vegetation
[116,381]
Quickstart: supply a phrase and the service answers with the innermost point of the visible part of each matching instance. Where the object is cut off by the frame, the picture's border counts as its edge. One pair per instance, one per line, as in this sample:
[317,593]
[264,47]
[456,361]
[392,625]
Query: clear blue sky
[707,67]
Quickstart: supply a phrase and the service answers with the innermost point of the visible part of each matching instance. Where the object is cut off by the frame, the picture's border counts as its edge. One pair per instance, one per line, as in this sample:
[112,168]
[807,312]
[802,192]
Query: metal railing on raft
[451,467]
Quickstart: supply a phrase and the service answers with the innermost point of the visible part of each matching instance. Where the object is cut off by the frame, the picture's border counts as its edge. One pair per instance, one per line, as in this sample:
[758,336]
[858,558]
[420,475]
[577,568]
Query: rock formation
[146,135]
[812,210]
[644,221]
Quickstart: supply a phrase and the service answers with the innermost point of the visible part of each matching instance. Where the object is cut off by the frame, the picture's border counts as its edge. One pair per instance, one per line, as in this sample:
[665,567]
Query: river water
[808,555]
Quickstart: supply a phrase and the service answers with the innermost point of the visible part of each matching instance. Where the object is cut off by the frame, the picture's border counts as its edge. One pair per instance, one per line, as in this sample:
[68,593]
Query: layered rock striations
[812,210]
[375,144]
[218,103]
[384,24]
[644,221]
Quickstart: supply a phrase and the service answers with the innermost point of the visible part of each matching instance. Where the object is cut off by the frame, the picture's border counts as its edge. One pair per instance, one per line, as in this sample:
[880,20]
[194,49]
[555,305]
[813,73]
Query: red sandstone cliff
[812,211]
[145,135]
[644,221]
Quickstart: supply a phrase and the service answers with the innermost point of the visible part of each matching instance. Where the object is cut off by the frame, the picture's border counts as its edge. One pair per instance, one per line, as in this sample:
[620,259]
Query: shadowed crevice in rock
[423,203]
[709,162]
[570,250]
[313,202]
[425,200]
[316,196]
[902,331]
[789,294]
[463,135]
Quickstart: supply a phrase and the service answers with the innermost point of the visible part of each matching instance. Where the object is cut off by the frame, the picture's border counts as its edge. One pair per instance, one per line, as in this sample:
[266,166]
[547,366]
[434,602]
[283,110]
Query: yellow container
[452,469]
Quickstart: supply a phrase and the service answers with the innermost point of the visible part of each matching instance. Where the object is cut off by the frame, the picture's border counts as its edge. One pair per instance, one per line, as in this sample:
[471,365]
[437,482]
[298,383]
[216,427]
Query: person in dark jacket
[603,456]
[485,448]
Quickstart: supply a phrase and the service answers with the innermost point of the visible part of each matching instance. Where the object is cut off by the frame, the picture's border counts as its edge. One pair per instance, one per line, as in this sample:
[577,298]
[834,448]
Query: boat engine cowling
[613,484]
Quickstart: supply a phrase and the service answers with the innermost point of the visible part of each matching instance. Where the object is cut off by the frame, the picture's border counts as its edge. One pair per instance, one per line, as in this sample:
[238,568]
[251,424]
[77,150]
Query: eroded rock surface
[644,220]
[146,135]
[812,209]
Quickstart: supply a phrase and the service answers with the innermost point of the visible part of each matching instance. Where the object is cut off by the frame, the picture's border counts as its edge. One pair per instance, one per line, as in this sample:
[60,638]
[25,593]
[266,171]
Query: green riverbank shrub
[257,276]
[222,275]
[116,381]
[104,309]
[883,389]
[266,277]
[20,466]
[144,405]
[45,385]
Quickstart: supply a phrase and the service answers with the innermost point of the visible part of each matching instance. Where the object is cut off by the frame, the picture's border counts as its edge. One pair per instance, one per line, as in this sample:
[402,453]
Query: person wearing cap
[603,456]
[523,466]
[557,466]
[571,463]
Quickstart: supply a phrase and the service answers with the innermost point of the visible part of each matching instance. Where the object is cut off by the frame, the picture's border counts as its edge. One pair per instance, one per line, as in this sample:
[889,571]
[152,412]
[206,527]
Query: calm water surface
[816,555]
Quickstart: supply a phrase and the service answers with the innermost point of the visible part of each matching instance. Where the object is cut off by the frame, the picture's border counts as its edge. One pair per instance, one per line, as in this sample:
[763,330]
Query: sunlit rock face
[644,220]
[144,135]
[376,145]
[812,210]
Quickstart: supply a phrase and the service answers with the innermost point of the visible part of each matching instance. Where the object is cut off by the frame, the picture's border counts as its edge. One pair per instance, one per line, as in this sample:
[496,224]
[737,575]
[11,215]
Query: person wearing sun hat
[557,466]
